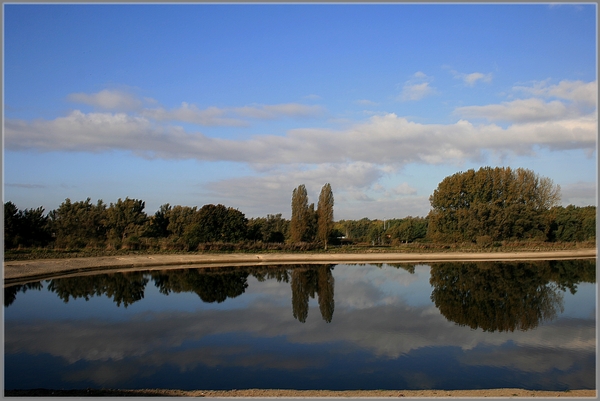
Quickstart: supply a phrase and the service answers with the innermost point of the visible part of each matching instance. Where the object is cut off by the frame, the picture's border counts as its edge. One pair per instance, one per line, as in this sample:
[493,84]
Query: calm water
[444,326]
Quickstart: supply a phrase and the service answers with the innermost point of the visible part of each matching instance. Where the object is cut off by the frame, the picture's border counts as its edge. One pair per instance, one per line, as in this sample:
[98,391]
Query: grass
[504,246]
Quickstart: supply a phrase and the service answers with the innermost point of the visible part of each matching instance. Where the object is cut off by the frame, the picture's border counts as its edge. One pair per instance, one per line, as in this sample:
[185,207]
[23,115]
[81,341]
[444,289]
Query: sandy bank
[17,272]
[503,392]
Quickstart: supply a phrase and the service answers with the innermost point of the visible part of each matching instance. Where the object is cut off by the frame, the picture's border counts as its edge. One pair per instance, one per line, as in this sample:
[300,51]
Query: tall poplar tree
[300,214]
[325,214]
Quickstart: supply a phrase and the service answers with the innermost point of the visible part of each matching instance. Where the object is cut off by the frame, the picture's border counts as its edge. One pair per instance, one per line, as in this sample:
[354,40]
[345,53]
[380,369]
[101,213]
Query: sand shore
[22,271]
[494,393]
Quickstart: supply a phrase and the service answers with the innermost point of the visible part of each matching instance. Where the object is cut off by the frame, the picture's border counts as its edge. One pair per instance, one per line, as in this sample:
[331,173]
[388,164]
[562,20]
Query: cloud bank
[353,157]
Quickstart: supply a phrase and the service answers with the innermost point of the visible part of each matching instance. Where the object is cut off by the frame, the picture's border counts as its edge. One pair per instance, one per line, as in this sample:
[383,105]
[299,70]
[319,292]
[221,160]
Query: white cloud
[271,112]
[417,88]
[580,193]
[108,100]
[471,79]
[190,113]
[385,139]
[120,101]
[572,99]
[579,92]
[416,91]
[213,116]
[404,189]
[518,111]
[353,158]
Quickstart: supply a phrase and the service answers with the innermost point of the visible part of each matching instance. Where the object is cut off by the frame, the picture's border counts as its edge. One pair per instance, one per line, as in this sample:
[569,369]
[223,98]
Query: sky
[238,104]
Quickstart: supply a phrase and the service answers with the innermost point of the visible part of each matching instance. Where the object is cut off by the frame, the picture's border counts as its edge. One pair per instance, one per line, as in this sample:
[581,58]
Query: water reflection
[10,293]
[214,285]
[305,283]
[492,296]
[123,288]
[504,296]
[245,330]
[210,287]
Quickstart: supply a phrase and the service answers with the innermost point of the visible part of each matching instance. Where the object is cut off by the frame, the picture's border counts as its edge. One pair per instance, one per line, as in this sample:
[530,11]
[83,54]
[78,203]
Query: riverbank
[503,392]
[17,272]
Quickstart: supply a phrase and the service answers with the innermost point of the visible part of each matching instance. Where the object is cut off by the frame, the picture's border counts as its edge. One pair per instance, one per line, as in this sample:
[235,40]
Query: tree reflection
[125,288]
[10,293]
[210,287]
[499,296]
[306,281]
[493,296]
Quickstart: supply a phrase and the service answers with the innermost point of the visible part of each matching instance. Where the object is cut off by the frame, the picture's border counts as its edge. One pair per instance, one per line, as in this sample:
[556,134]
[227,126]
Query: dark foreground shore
[503,392]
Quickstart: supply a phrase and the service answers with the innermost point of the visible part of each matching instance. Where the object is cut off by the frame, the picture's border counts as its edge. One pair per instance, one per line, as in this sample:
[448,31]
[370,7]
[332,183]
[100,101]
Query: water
[444,326]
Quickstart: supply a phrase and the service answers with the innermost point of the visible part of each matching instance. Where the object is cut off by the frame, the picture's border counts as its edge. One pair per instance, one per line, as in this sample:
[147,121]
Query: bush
[484,241]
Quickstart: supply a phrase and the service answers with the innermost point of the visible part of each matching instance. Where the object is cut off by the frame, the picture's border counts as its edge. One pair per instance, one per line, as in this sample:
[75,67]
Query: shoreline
[266,393]
[21,271]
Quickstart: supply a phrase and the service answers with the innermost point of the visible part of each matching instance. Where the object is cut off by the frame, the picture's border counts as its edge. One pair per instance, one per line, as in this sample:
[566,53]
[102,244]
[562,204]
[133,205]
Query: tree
[159,223]
[79,224]
[299,224]
[325,214]
[216,223]
[573,223]
[126,220]
[273,228]
[179,218]
[497,202]
[409,229]
[35,227]
[11,225]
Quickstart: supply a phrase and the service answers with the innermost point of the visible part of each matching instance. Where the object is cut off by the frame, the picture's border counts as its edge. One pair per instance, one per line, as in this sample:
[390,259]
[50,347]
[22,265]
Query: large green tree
[325,214]
[500,203]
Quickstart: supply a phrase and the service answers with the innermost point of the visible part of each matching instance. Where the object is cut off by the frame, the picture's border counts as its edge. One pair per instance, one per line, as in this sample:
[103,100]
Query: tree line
[482,207]
[125,225]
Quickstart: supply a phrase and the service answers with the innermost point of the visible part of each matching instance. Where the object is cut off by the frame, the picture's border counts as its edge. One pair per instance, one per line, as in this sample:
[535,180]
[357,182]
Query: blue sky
[238,104]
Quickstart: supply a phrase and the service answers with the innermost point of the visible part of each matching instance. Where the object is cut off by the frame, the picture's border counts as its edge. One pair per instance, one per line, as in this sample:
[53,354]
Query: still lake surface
[338,327]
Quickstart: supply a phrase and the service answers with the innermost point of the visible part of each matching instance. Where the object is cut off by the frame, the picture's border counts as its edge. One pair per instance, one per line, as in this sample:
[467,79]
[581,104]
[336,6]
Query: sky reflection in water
[453,326]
